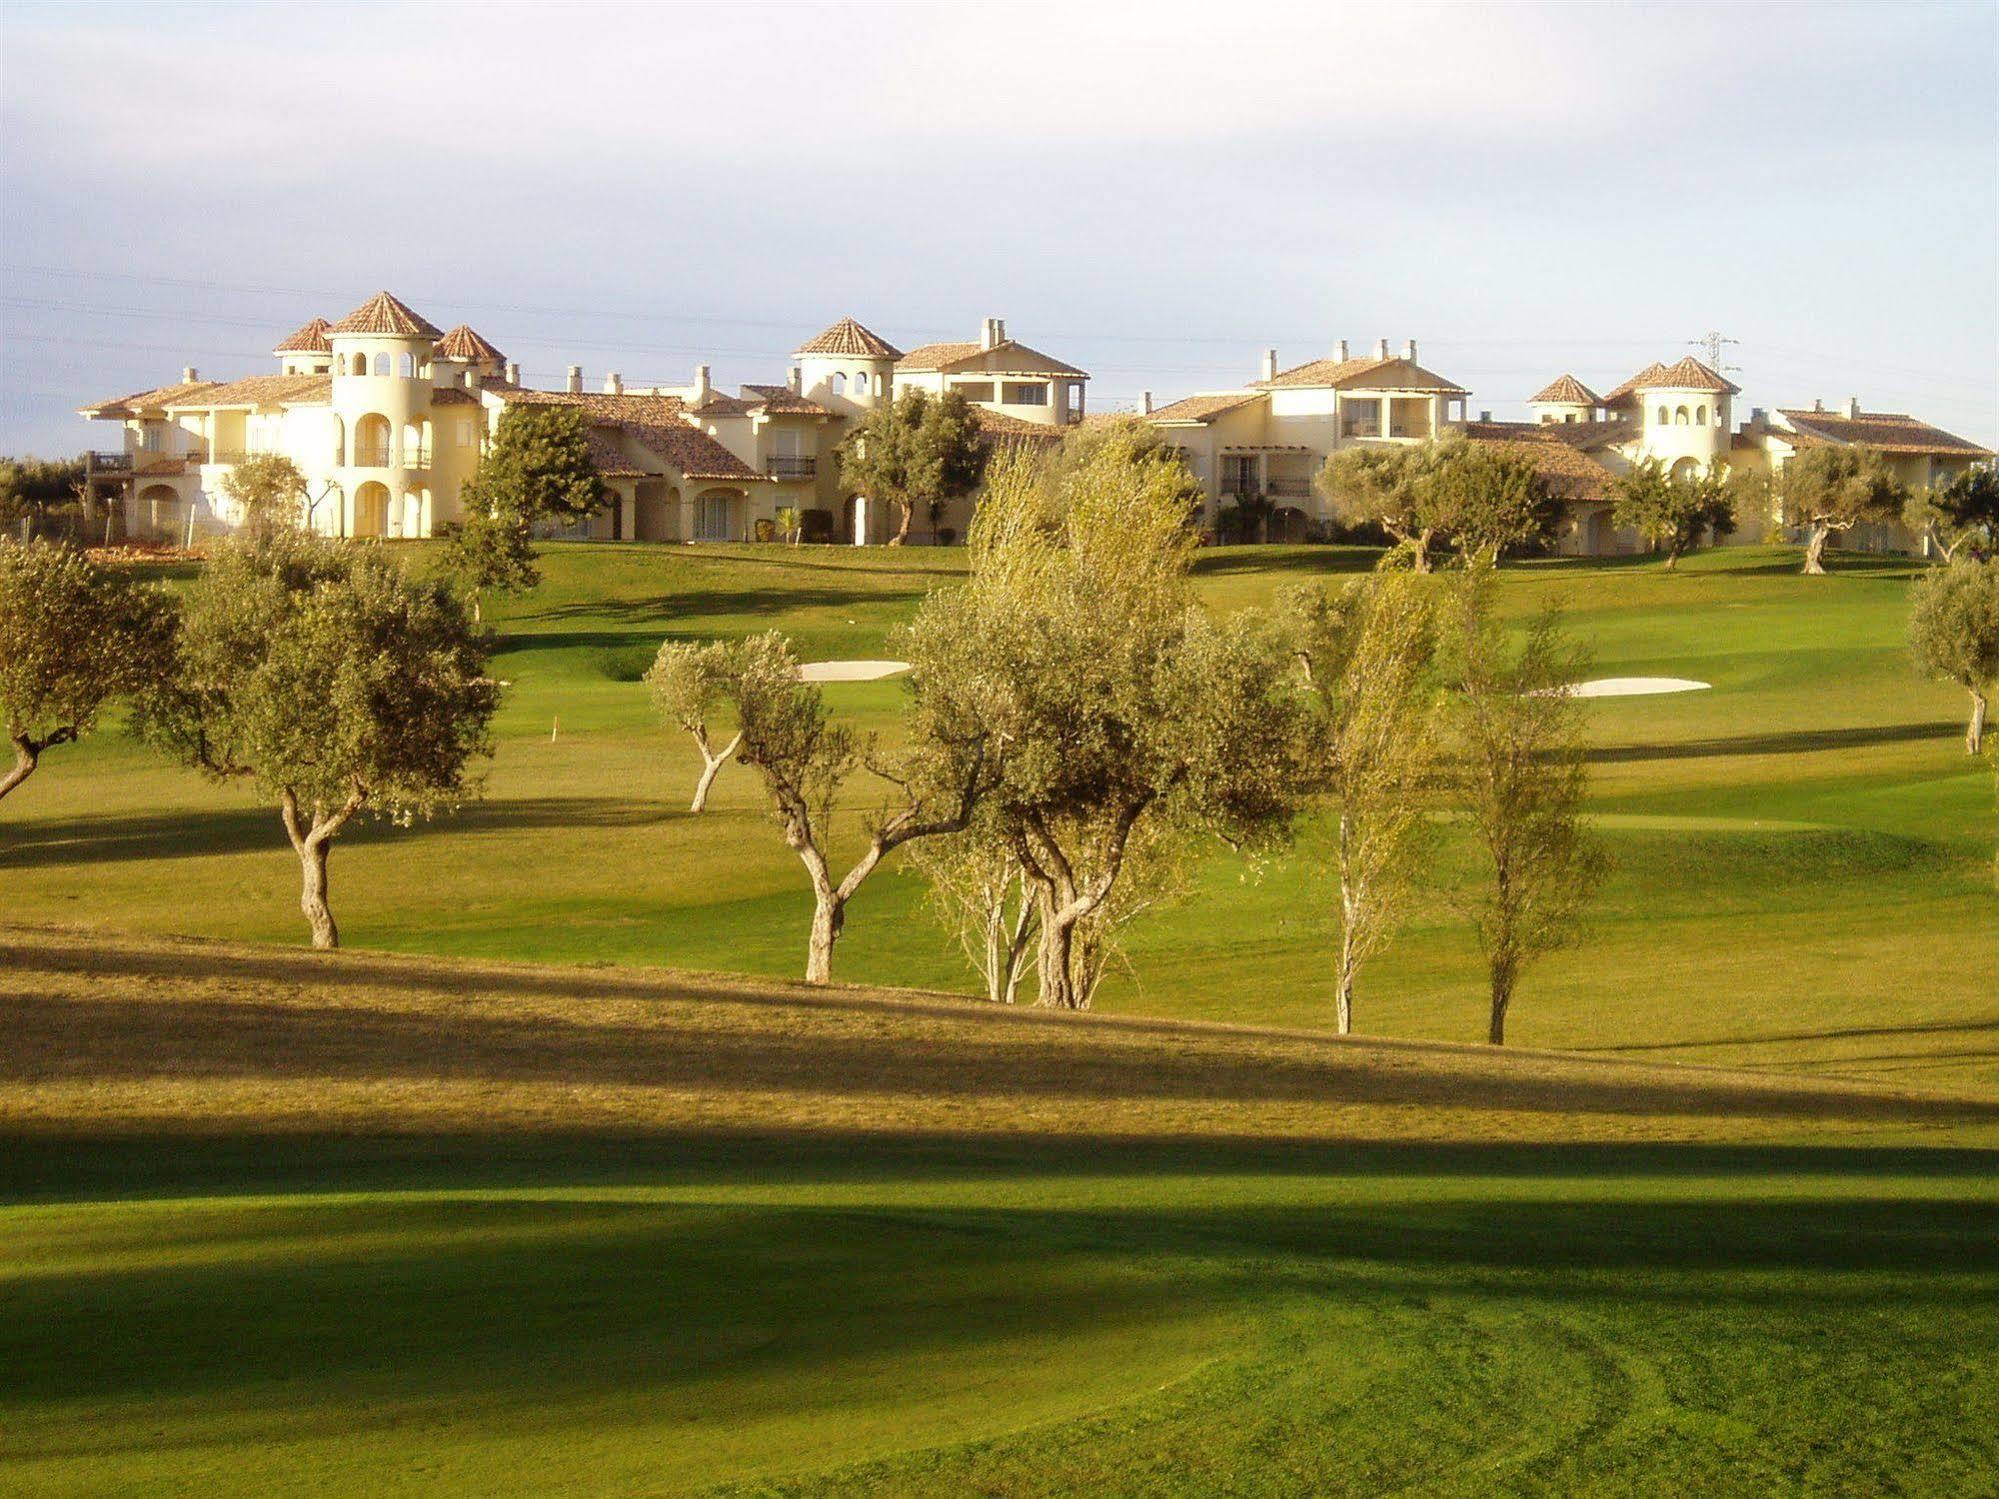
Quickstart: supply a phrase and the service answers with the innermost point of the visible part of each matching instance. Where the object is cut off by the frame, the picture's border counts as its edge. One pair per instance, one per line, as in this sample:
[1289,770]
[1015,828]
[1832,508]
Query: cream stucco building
[386,416]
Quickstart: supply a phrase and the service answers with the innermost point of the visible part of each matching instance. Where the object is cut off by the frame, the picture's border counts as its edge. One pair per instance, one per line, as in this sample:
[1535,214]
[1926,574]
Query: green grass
[1803,853]
[275,1224]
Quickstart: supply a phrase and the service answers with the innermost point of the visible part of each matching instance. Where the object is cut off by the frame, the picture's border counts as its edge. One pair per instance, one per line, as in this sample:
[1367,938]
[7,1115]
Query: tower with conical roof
[1681,411]
[848,367]
[1564,399]
[381,354]
[306,352]
[464,358]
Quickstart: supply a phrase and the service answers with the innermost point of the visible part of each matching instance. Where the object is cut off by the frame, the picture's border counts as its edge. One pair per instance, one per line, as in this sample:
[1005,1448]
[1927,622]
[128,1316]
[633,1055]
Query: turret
[847,366]
[306,352]
[382,355]
[1564,399]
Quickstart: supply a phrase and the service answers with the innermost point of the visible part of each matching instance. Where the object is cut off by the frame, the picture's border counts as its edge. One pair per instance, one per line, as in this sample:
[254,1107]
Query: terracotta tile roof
[1688,374]
[1592,437]
[1566,390]
[850,338]
[997,427]
[453,395]
[157,399]
[608,453]
[1888,431]
[462,343]
[1570,473]
[261,390]
[943,357]
[1203,408]
[311,339]
[657,423]
[782,400]
[1363,374]
[720,403]
[383,314]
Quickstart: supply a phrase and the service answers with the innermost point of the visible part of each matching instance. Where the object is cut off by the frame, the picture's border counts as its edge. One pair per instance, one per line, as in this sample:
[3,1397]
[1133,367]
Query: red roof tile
[1566,390]
[850,339]
[311,339]
[462,343]
[384,314]
[1887,431]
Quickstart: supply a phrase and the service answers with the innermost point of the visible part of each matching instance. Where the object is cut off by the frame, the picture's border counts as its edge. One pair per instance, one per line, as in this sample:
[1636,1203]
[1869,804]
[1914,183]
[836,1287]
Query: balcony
[107,463]
[1287,487]
[1361,426]
[371,457]
[784,466]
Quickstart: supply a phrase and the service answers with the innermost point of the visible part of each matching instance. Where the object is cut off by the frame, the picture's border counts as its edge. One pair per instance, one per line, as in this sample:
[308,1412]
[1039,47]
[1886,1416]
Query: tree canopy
[331,681]
[73,636]
[267,492]
[1962,514]
[1827,490]
[1674,514]
[1477,496]
[537,467]
[914,451]
[1954,633]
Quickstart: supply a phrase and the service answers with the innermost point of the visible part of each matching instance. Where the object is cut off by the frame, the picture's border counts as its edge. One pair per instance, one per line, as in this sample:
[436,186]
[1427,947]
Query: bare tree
[1521,786]
[688,687]
[1368,654]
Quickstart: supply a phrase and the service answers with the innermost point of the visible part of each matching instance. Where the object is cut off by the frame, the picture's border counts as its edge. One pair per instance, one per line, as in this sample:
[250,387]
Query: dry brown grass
[117,1035]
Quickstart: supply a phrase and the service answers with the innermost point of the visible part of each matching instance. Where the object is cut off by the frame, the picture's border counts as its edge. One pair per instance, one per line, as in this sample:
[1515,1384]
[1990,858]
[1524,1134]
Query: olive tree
[807,762]
[1389,487]
[980,894]
[1117,710]
[689,687]
[73,636]
[1826,491]
[267,491]
[1954,633]
[1673,514]
[916,450]
[1369,654]
[330,681]
[490,551]
[1960,515]
[1487,498]
[1520,784]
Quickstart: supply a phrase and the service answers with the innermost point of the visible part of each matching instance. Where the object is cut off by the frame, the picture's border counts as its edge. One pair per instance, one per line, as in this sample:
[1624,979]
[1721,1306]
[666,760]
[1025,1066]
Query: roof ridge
[384,313]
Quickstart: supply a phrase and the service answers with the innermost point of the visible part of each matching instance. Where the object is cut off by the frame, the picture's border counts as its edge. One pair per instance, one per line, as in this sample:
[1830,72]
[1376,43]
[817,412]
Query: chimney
[796,380]
[1851,411]
[1409,350]
[1145,403]
[576,379]
[989,336]
[1817,404]
[1270,364]
[614,384]
[701,386]
[1381,348]
[1757,418]
[1340,351]
[189,375]
[513,372]
[1485,416]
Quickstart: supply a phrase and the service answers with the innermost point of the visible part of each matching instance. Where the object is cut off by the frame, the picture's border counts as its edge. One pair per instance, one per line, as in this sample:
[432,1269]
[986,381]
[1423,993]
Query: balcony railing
[1361,426]
[371,457]
[108,463]
[1285,487]
[789,467]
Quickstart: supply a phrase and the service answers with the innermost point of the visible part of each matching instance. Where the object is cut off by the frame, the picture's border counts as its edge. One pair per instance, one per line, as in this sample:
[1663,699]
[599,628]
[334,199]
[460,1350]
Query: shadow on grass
[666,608]
[181,835]
[1794,741]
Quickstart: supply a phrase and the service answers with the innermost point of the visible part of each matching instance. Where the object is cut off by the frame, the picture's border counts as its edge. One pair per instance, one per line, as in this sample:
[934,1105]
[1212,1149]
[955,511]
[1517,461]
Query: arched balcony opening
[1681,418]
[381,364]
[372,434]
[371,510]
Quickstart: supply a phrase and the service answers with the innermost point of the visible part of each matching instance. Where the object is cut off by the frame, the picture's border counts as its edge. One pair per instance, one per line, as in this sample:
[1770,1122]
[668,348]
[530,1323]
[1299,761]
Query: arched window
[371,441]
[381,364]
[360,365]
[1700,416]
[1680,417]
[839,382]
[408,365]
[339,443]
[1664,419]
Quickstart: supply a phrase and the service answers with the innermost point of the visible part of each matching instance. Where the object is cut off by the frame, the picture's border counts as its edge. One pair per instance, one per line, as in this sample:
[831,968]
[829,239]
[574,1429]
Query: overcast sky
[1156,192]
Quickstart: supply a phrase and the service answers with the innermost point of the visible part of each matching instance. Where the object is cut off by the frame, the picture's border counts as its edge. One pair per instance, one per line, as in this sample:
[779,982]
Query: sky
[1156,192]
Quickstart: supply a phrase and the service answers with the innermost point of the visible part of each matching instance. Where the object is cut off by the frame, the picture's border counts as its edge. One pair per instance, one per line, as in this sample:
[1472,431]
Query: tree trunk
[478,616]
[1974,734]
[312,858]
[1502,995]
[1815,551]
[1344,997]
[827,919]
[1057,965]
[26,757]
[711,767]
[1672,558]
[908,513]
[1423,551]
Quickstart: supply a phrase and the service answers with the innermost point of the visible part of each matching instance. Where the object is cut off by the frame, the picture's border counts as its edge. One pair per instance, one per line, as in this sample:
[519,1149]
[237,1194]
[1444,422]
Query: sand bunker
[1635,686]
[849,671]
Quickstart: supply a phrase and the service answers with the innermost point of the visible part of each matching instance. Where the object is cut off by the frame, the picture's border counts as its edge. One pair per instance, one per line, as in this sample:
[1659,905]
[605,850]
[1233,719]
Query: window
[1239,474]
[975,390]
[381,364]
[1025,394]
[465,434]
[1547,417]
[149,437]
[408,365]
[359,365]
[1680,417]
[839,382]
[1700,416]
[1664,419]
